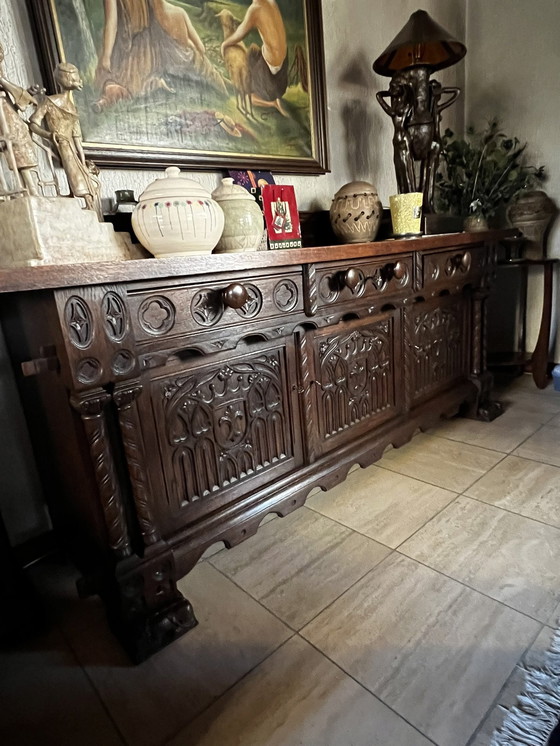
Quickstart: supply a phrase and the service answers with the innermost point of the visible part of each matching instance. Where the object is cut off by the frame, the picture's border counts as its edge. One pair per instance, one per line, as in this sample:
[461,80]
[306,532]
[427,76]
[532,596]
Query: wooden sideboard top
[94,273]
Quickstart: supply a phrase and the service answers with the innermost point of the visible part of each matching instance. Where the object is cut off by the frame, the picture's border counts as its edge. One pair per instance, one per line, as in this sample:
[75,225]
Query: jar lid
[229,190]
[353,188]
[174,184]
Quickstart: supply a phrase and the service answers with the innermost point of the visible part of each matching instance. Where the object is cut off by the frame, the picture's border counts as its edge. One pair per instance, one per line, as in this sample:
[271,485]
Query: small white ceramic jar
[244,223]
[356,212]
[176,216]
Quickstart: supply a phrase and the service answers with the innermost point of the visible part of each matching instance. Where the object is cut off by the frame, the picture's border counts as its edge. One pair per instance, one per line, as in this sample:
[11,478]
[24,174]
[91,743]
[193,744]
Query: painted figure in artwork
[62,129]
[268,64]
[142,39]
[16,142]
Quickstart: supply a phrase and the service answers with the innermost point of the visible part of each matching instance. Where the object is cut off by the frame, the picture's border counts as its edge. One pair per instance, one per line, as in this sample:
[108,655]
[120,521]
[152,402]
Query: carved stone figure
[16,143]
[62,128]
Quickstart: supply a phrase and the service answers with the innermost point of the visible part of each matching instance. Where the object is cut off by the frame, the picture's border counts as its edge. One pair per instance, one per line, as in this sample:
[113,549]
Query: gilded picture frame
[162,88]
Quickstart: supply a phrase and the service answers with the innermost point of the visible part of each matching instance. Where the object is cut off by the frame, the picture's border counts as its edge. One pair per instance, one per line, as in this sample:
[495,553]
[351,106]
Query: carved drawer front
[437,343]
[339,285]
[98,339]
[160,313]
[357,370]
[221,425]
[453,268]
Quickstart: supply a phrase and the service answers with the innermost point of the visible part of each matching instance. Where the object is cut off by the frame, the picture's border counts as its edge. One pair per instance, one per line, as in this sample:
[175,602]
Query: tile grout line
[475,590]
[509,510]
[298,630]
[226,691]
[363,686]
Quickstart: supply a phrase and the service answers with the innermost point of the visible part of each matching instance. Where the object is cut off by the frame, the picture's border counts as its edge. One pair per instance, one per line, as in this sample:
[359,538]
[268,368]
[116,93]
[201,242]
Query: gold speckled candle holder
[406,214]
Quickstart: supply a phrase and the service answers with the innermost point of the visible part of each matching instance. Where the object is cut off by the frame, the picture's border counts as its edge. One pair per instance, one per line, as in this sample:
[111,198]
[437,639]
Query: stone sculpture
[16,143]
[62,129]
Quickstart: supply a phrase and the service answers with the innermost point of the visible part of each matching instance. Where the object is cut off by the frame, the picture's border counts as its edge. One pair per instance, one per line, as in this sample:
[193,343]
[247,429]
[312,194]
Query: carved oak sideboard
[174,403]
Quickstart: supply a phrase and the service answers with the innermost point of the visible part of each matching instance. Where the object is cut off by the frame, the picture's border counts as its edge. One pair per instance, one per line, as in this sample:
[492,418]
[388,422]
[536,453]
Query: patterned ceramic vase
[176,216]
[244,222]
[532,213]
[356,212]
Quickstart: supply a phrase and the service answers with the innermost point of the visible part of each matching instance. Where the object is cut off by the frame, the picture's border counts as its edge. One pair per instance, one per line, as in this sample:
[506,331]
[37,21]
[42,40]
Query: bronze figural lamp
[414,102]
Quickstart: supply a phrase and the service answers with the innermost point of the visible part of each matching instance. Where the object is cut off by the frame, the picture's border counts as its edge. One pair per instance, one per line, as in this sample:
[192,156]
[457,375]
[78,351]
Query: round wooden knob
[352,278]
[399,270]
[235,295]
[466,260]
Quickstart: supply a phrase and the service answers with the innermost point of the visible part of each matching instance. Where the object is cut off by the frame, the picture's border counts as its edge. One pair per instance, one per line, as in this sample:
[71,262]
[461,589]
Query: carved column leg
[144,607]
[151,611]
[125,396]
[484,408]
[91,407]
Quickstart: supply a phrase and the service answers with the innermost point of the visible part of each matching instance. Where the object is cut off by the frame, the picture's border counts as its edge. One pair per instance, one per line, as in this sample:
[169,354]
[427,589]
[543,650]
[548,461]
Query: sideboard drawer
[342,284]
[453,268]
[164,312]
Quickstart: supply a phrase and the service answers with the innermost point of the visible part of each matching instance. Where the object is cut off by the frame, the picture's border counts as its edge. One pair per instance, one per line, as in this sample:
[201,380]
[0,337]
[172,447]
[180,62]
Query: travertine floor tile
[47,699]
[453,466]
[532,403]
[544,446]
[435,651]
[502,434]
[512,688]
[383,505]
[152,701]
[509,557]
[522,486]
[297,696]
[296,566]
[555,421]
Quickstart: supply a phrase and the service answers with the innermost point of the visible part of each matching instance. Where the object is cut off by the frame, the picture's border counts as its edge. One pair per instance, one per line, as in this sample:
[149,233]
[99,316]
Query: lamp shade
[420,42]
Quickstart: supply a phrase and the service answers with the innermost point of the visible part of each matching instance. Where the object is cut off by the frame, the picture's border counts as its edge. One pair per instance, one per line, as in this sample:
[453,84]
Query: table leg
[539,359]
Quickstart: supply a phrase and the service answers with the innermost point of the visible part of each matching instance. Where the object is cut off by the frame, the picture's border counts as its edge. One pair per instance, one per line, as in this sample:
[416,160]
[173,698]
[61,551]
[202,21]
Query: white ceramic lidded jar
[244,223]
[356,212]
[176,216]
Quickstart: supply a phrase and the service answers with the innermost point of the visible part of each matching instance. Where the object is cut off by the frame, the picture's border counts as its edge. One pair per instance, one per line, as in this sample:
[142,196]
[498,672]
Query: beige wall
[513,72]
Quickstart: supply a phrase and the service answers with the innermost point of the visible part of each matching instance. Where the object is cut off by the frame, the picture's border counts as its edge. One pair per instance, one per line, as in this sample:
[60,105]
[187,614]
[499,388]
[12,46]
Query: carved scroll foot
[142,635]
[490,410]
[147,612]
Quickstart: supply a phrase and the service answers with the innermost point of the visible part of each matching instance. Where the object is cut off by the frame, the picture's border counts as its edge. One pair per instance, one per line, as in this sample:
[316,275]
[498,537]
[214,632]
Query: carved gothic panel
[286,295]
[438,344]
[156,315]
[78,322]
[252,305]
[355,375]
[207,307]
[222,424]
[114,317]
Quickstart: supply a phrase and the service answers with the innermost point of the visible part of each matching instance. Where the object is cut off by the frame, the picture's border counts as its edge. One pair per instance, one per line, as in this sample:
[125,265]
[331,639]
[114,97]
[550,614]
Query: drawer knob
[235,295]
[352,278]
[399,270]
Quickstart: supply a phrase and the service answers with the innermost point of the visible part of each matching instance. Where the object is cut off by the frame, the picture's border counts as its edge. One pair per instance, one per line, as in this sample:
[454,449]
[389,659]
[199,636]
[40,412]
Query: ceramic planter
[176,216]
[243,219]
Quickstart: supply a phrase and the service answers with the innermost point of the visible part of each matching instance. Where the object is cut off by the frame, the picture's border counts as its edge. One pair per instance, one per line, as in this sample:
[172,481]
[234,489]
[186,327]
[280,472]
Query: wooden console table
[174,403]
[537,361]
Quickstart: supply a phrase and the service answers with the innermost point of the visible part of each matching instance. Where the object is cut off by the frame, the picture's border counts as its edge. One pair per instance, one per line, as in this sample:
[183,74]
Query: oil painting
[218,84]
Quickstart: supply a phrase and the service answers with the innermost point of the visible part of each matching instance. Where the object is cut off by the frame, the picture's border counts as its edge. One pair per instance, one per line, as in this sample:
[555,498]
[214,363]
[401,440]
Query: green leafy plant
[482,172]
